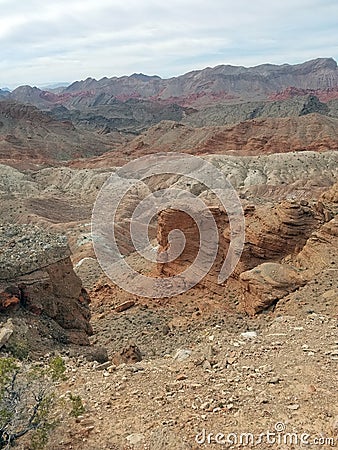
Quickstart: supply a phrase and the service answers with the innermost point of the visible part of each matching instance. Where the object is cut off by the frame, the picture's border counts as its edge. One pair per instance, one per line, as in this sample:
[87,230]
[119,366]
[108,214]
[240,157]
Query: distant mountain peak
[143,77]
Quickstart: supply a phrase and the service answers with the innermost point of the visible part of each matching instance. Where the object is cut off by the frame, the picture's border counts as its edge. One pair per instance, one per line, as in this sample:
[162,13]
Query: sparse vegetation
[18,349]
[77,405]
[27,401]
[57,369]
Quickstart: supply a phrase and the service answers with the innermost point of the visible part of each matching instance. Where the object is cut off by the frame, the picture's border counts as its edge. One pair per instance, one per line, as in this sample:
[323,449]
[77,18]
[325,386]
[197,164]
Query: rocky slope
[226,114]
[108,114]
[225,375]
[30,136]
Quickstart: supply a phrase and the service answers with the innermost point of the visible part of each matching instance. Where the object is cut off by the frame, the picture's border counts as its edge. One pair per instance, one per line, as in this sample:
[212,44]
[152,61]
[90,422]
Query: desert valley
[256,353]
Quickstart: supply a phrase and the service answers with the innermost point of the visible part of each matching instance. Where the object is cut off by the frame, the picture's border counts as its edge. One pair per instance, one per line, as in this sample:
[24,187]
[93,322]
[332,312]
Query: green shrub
[77,406]
[27,401]
[18,349]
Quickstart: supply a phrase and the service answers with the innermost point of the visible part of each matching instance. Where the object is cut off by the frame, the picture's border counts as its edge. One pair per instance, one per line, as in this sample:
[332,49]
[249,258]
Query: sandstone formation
[267,283]
[278,254]
[173,219]
[37,276]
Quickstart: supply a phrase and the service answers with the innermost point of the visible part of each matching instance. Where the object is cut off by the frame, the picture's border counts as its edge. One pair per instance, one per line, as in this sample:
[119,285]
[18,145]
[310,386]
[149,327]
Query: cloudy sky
[44,41]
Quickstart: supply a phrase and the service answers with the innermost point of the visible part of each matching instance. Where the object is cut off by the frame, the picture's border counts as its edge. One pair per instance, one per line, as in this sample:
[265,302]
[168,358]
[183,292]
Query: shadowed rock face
[37,275]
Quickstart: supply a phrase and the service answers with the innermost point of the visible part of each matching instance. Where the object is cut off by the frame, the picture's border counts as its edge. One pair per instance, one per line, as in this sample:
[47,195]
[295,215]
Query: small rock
[182,354]
[206,365]
[5,334]
[205,405]
[124,306]
[135,369]
[103,366]
[135,438]
[335,426]
[87,423]
[293,407]
[274,380]
[165,330]
[98,354]
[181,377]
[249,335]
[330,294]
[130,354]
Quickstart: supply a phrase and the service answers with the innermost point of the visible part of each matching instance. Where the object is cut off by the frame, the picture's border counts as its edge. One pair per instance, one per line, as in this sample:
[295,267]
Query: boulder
[37,275]
[267,283]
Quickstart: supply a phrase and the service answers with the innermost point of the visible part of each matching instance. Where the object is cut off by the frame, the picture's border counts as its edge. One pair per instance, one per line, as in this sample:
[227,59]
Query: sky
[47,41]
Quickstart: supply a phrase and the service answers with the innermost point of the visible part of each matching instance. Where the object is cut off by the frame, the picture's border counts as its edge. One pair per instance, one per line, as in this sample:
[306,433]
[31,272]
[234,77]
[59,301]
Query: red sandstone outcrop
[275,235]
[323,94]
[273,232]
[174,219]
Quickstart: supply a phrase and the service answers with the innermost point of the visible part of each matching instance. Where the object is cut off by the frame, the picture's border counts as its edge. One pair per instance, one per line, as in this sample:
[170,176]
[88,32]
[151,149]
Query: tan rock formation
[267,283]
[37,275]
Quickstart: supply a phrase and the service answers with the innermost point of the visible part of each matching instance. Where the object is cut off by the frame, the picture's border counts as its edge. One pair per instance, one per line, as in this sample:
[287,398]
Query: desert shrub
[77,408]
[57,369]
[27,401]
[18,349]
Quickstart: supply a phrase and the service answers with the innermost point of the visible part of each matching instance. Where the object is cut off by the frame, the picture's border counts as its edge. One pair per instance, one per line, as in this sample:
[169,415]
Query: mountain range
[210,110]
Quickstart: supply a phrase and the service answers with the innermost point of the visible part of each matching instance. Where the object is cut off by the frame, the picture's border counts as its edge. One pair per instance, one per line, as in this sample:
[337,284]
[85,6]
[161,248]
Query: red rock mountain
[200,87]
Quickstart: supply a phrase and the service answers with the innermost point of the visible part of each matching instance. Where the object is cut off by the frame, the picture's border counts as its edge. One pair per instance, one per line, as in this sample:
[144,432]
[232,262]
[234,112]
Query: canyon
[267,334]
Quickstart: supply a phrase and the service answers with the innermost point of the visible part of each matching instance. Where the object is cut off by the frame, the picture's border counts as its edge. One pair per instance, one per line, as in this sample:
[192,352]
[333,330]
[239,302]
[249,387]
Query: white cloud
[70,39]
